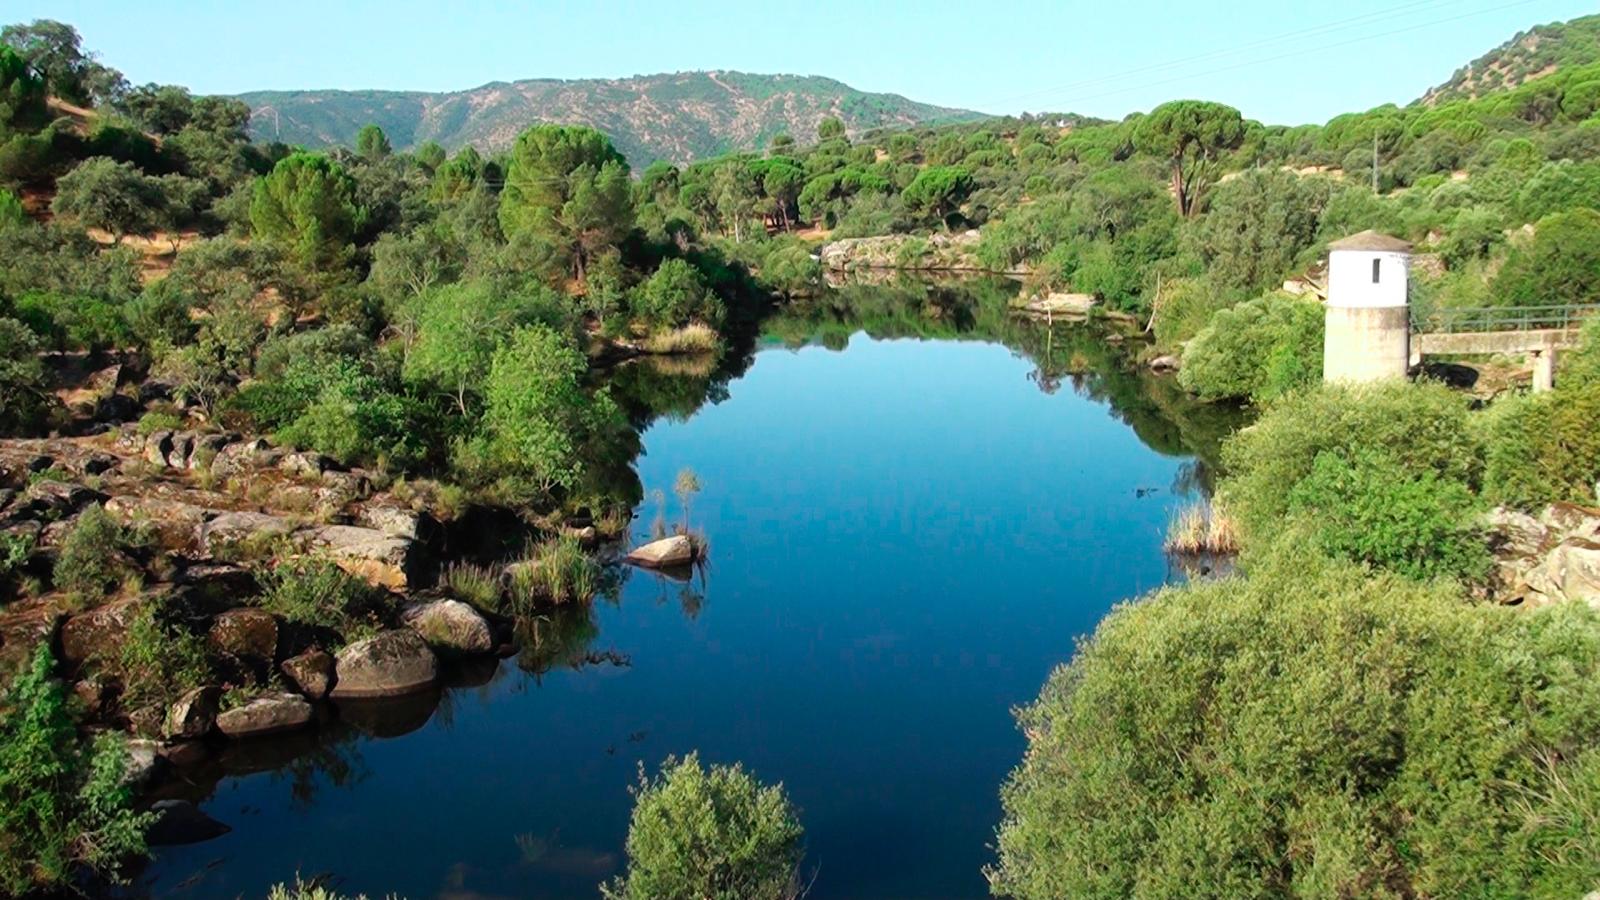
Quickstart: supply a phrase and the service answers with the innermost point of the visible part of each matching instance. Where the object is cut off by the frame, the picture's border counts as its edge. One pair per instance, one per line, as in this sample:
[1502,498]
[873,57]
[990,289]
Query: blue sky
[1281,62]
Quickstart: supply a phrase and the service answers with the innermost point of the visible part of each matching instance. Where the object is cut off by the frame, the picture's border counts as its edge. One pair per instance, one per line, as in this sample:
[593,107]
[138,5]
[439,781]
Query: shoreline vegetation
[284,430]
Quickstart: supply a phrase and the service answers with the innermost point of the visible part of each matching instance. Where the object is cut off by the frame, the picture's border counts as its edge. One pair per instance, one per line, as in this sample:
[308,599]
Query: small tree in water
[716,834]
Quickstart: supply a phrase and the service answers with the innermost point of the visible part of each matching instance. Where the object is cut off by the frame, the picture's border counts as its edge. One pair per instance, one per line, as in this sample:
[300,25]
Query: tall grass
[692,338]
[556,571]
[1202,528]
[476,585]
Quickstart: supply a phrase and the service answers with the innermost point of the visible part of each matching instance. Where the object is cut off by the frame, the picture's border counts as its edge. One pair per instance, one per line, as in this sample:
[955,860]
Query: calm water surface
[907,535]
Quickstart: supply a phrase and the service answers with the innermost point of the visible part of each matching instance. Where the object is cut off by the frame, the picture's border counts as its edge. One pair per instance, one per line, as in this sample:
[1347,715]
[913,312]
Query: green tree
[1560,265]
[1258,226]
[11,211]
[537,414]
[717,834]
[830,129]
[113,196]
[22,95]
[22,380]
[458,329]
[1310,730]
[64,802]
[429,155]
[55,51]
[676,295]
[569,187]
[372,144]
[938,191]
[1192,136]
[307,205]
[1259,349]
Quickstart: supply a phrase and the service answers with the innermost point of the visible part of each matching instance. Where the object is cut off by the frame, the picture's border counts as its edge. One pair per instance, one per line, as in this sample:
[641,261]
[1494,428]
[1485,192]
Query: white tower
[1368,334]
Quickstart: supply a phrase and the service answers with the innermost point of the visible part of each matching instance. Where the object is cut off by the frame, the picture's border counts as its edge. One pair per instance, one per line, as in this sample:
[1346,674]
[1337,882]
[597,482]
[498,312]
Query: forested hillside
[1530,55]
[678,117]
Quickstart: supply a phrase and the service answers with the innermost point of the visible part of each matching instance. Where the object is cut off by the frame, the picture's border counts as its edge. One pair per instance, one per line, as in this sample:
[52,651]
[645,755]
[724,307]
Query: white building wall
[1350,279]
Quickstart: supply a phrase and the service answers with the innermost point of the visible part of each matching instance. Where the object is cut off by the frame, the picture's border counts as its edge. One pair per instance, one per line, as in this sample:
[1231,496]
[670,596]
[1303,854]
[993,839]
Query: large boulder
[267,714]
[311,673]
[195,713]
[1571,520]
[382,559]
[157,446]
[396,521]
[451,626]
[174,523]
[247,633]
[1516,533]
[228,531]
[389,665]
[1571,571]
[100,631]
[21,632]
[677,550]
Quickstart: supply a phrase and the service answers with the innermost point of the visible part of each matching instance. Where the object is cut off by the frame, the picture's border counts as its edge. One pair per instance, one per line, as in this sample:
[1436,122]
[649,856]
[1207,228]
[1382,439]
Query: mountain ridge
[679,116]
[1527,56]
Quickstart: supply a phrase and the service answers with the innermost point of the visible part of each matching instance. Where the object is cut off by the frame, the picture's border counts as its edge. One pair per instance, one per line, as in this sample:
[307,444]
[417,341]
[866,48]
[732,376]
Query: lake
[907,534]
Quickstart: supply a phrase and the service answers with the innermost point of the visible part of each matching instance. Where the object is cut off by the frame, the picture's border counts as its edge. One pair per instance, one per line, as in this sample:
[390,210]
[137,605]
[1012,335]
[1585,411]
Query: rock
[451,626]
[394,520]
[949,252]
[194,714]
[247,633]
[181,822]
[147,721]
[56,499]
[227,531]
[1572,520]
[311,672]
[6,496]
[586,535]
[242,455]
[1060,303]
[382,559]
[116,408]
[1570,572]
[93,692]
[1516,533]
[268,714]
[1167,363]
[175,523]
[157,446]
[388,665]
[305,465]
[21,632]
[99,464]
[105,381]
[143,760]
[182,446]
[340,489]
[98,631]
[40,462]
[206,448]
[677,550]
[184,753]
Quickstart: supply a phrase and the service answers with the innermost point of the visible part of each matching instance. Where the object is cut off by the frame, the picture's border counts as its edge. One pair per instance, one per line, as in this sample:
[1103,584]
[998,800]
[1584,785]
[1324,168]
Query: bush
[557,571]
[675,296]
[709,835]
[1312,731]
[157,663]
[22,380]
[93,559]
[315,591]
[1259,349]
[1366,509]
[1560,265]
[64,804]
[1418,430]
[1543,448]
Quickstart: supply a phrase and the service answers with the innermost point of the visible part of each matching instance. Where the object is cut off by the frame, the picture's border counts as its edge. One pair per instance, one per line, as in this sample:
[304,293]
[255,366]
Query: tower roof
[1372,241]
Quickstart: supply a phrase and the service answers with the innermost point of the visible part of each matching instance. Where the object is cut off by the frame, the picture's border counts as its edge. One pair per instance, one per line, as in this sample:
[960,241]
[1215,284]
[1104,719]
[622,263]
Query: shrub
[315,591]
[22,380]
[675,296]
[1259,349]
[693,338]
[93,559]
[157,662]
[1418,430]
[1366,509]
[476,585]
[556,571]
[714,834]
[302,890]
[1560,265]
[64,803]
[157,420]
[1310,730]
[1543,447]
[1185,308]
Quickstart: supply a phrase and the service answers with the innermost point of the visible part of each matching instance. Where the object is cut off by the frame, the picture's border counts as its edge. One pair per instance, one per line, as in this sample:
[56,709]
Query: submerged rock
[388,665]
[181,822]
[269,714]
[677,550]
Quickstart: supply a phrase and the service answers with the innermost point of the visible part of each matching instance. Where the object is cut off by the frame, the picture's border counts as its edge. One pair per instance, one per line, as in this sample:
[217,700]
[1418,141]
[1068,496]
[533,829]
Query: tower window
[1376,264]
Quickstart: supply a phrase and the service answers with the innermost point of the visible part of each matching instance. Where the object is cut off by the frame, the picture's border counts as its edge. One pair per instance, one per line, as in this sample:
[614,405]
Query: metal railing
[1500,318]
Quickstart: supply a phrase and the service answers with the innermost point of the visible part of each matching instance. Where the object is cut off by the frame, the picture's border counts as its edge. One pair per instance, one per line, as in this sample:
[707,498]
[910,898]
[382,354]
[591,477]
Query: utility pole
[1374,160]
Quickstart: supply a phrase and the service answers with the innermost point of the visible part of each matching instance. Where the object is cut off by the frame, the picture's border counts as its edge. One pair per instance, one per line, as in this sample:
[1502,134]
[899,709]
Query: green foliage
[22,94]
[674,296]
[307,205]
[11,211]
[313,590]
[1192,136]
[1258,226]
[64,806]
[555,572]
[568,187]
[93,559]
[1544,448]
[458,327]
[22,380]
[1259,349]
[709,834]
[156,661]
[937,191]
[1311,730]
[1560,265]
[1418,432]
[372,143]
[113,196]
